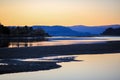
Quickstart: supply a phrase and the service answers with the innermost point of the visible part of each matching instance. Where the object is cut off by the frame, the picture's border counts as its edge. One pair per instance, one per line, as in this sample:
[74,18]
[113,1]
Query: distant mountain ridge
[76,30]
[92,29]
[60,31]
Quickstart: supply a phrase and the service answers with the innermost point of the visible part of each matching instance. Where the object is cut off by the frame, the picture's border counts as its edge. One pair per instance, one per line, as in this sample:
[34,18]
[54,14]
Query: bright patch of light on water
[3,64]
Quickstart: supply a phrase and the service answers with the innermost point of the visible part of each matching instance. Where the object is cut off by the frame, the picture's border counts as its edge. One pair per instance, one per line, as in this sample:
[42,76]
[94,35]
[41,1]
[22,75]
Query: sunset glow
[59,12]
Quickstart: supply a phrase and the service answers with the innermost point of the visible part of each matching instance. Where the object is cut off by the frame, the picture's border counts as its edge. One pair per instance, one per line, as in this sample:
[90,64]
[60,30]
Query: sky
[59,12]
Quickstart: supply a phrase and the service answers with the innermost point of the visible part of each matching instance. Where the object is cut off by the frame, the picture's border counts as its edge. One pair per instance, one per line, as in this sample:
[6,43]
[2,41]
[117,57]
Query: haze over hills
[61,31]
[92,29]
[79,30]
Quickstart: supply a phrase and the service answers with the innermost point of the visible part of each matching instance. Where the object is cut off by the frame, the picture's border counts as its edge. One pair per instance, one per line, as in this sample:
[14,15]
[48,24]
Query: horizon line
[62,25]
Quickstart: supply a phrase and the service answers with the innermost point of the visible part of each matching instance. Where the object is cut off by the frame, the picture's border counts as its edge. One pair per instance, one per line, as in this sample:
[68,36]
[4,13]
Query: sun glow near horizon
[59,12]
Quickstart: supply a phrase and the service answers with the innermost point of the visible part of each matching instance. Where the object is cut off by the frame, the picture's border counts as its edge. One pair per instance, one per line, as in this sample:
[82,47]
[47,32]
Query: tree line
[24,31]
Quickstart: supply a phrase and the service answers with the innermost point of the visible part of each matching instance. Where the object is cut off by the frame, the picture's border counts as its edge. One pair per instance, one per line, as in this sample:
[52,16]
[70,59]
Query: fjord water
[93,67]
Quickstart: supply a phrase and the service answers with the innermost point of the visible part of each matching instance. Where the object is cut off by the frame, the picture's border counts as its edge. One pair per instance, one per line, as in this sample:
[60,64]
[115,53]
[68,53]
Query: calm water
[53,41]
[93,67]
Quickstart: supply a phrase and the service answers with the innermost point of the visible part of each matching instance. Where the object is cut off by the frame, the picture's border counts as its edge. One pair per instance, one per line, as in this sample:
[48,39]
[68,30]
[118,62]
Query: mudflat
[41,51]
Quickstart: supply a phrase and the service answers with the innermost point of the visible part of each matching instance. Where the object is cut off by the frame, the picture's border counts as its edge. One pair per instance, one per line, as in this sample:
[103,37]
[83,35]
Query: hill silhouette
[112,31]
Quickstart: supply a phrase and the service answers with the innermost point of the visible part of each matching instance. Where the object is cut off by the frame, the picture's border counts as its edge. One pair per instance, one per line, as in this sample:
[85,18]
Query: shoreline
[41,51]
[14,66]
[9,65]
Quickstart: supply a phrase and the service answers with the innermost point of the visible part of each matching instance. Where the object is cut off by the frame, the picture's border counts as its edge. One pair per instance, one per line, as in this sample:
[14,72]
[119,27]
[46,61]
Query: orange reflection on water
[53,43]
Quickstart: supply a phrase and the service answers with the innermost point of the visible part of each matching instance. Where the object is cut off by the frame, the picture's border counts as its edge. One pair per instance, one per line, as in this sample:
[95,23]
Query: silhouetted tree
[24,31]
[4,30]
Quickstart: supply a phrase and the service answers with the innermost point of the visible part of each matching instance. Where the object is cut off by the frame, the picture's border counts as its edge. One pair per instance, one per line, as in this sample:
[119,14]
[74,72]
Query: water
[93,67]
[88,67]
[53,41]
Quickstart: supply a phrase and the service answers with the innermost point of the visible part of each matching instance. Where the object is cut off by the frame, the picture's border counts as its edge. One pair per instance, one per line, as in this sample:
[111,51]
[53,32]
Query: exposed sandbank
[36,52]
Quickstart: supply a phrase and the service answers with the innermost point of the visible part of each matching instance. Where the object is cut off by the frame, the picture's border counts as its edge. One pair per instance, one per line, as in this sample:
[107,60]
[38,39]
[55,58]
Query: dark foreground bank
[37,52]
[15,66]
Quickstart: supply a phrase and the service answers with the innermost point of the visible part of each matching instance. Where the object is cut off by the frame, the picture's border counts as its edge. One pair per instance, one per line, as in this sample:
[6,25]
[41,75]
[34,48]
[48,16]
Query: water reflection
[53,41]
[20,44]
[20,41]
[94,67]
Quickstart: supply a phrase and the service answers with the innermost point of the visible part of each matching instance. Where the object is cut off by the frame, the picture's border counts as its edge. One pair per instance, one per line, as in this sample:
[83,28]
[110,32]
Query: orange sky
[59,12]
